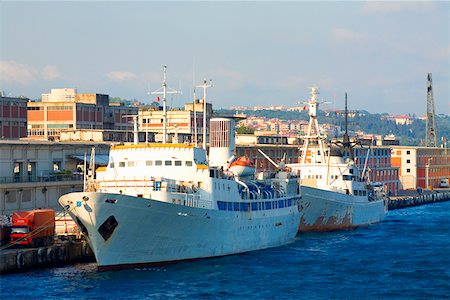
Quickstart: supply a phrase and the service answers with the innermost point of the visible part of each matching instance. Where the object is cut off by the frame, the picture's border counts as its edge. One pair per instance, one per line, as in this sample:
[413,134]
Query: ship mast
[204,86]
[313,133]
[164,92]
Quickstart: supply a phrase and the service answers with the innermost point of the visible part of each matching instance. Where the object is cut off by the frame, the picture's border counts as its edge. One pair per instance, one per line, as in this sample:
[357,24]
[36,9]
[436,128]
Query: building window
[408,152]
[408,170]
[408,161]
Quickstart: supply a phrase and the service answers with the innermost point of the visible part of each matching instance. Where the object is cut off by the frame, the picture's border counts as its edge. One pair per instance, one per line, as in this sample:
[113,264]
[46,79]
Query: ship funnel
[222,141]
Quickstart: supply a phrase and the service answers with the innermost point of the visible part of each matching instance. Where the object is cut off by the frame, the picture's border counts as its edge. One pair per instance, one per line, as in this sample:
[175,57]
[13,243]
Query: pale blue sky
[256,53]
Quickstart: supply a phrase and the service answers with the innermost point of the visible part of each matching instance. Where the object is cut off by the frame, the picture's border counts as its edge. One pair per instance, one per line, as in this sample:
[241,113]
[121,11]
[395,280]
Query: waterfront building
[65,111]
[376,165]
[421,166]
[13,117]
[180,122]
[34,174]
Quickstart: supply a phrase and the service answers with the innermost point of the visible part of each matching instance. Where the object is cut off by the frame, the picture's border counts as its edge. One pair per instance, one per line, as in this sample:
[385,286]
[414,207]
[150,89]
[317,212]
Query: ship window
[111,165]
[254,206]
[351,171]
[158,162]
[236,206]
[168,163]
[230,206]
[244,206]
[188,163]
[268,205]
[148,162]
[131,163]
[211,173]
[178,163]
[121,164]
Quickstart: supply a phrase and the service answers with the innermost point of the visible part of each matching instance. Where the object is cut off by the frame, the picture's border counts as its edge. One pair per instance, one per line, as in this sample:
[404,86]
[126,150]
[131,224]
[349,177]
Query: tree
[245,130]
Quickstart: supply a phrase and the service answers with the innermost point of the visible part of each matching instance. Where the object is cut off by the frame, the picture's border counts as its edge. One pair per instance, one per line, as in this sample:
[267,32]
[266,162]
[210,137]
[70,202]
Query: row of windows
[253,206]
[148,163]
[360,193]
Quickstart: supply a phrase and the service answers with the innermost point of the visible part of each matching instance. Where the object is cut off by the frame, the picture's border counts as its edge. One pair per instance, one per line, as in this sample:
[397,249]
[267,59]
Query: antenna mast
[430,139]
[204,86]
[164,92]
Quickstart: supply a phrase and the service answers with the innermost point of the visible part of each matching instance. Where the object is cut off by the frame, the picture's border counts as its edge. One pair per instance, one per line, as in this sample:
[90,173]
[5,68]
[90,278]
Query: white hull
[323,210]
[151,232]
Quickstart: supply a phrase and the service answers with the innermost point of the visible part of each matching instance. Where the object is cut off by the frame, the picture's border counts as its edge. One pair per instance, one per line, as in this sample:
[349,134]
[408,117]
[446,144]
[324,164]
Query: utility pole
[430,139]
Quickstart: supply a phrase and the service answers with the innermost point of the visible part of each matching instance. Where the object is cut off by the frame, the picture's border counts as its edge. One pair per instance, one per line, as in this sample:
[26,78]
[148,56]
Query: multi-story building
[63,110]
[13,117]
[36,173]
[180,123]
[421,166]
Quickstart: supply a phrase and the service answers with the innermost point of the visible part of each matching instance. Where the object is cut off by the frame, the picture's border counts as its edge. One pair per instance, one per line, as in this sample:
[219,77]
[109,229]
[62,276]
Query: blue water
[407,256]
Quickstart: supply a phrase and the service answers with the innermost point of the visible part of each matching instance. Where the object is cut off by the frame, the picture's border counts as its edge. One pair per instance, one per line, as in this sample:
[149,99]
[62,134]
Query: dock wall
[409,201]
[62,253]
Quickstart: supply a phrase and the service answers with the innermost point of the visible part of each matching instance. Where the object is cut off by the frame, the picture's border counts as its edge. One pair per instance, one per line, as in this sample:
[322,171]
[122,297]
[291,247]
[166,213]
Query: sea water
[405,257]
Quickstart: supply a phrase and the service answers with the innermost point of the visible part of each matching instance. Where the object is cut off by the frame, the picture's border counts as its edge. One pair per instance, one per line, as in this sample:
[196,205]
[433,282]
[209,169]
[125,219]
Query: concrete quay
[415,199]
[61,253]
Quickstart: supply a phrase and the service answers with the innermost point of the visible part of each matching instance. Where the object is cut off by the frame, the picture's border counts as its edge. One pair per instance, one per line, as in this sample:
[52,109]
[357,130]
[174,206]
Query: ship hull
[323,210]
[148,232]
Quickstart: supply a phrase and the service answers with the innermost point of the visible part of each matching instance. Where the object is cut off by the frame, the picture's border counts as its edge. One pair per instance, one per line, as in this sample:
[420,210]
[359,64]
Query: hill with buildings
[409,129]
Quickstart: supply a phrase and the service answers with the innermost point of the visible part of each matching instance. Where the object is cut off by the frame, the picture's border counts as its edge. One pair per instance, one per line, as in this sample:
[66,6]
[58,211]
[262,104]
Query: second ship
[334,196]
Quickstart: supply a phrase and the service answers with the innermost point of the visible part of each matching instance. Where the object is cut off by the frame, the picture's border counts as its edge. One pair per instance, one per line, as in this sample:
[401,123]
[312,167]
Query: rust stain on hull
[332,223]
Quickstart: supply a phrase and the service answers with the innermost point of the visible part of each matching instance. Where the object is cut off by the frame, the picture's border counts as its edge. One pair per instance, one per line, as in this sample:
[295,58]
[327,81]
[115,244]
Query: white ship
[158,203]
[333,195]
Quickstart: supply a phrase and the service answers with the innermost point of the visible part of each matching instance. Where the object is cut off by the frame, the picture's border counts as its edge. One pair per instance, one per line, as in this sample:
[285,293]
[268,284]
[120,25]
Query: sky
[255,53]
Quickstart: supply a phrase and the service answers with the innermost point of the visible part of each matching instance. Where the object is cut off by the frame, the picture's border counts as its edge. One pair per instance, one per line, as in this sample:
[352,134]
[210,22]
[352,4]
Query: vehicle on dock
[66,228]
[33,228]
[444,183]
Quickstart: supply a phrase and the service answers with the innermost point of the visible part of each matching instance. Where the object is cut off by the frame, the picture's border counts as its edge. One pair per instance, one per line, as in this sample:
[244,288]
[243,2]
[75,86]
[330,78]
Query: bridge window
[188,163]
[158,162]
[168,163]
[121,164]
[148,162]
[178,163]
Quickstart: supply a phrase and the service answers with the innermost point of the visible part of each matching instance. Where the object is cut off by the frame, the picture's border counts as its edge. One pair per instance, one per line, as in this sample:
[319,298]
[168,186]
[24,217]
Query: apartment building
[64,110]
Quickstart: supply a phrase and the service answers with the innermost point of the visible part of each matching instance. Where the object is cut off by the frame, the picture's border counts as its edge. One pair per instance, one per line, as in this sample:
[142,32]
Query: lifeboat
[242,167]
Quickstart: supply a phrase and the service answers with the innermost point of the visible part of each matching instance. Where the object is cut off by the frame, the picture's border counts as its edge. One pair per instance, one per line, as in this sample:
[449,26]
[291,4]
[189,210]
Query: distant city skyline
[256,53]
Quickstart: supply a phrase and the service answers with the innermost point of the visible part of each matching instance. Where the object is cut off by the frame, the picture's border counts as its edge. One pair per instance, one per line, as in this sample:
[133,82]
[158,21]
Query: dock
[415,199]
[59,254]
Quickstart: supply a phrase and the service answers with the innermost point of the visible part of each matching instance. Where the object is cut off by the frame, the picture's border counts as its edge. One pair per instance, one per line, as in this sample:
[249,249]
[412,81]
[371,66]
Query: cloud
[385,7]
[13,72]
[347,35]
[50,73]
[121,75]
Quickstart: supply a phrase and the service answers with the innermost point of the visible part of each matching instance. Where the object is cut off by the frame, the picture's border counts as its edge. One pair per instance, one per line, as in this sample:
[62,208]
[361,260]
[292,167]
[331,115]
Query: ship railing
[151,184]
